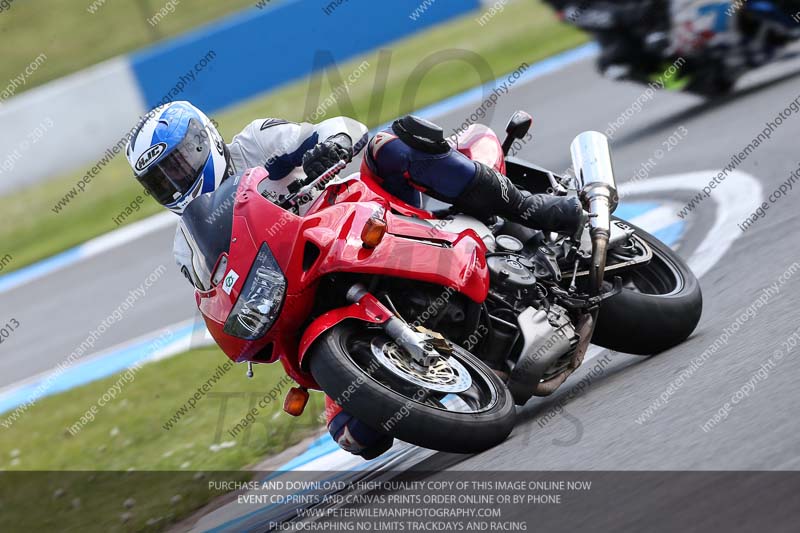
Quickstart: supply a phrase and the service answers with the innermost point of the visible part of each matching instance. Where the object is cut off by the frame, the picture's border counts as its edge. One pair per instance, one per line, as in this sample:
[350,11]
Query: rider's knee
[413,154]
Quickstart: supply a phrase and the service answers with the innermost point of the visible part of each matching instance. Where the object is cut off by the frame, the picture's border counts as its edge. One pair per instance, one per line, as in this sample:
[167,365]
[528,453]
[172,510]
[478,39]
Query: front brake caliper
[437,340]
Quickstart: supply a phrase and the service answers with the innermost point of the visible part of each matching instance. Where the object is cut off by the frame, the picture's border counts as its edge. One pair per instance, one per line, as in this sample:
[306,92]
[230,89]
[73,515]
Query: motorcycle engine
[513,277]
[547,327]
[513,280]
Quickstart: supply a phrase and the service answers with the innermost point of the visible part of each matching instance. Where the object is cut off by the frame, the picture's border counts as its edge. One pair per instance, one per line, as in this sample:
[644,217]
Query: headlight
[260,301]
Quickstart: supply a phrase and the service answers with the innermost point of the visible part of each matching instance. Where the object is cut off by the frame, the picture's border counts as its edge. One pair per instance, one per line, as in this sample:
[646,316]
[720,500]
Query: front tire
[658,308]
[343,364]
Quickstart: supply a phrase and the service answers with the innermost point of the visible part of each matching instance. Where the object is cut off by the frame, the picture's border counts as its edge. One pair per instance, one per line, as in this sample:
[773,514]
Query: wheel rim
[445,375]
[457,385]
[659,277]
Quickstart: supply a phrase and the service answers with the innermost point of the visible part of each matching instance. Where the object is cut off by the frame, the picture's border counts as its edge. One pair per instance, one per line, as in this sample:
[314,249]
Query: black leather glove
[326,154]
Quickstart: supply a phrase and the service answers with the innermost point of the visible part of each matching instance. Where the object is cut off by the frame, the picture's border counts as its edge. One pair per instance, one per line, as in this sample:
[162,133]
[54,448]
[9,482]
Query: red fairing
[253,224]
[410,249]
[480,143]
[372,191]
[368,309]
[329,239]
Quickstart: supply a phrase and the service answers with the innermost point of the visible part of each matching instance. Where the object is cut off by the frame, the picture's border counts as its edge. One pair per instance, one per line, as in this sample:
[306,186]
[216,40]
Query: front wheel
[659,306]
[458,405]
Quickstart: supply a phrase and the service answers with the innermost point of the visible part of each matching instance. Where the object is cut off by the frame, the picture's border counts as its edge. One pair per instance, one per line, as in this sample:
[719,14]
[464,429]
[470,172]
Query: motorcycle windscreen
[207,225]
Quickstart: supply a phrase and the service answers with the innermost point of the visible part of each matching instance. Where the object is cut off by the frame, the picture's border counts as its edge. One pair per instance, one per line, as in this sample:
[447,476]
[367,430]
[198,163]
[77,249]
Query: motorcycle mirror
[518,127]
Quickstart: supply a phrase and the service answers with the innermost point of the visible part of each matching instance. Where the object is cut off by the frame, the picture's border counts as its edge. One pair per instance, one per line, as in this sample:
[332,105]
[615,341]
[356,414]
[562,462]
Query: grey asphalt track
[600,430]
[58,312]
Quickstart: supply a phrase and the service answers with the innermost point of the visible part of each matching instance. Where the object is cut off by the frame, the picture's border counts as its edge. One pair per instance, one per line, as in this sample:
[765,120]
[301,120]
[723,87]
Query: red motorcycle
[429,325]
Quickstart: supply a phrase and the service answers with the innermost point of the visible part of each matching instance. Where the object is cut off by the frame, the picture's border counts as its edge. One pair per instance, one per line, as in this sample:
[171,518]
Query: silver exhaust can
[597,188]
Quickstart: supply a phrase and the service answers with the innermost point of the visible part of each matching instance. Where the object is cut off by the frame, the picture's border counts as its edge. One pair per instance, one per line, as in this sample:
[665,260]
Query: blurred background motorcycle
[702,46]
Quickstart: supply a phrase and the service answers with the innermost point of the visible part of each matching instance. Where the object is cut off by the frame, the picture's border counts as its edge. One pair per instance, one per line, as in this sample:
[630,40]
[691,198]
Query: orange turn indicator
[373,232]
[295,402]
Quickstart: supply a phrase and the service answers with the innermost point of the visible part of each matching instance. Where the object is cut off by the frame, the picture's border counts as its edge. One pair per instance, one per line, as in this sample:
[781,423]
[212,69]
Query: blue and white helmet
[177,154]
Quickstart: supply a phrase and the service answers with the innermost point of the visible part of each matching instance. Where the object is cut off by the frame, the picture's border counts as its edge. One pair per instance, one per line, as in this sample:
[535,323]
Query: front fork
[417,344]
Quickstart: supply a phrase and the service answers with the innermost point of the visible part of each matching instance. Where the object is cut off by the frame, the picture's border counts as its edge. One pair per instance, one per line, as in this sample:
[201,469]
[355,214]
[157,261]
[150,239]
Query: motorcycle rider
[413,157]
[178,154]
[620,50]
[660,31]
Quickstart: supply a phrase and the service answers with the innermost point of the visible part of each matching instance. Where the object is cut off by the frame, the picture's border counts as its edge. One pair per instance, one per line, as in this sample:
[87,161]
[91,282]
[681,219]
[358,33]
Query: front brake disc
[446,374]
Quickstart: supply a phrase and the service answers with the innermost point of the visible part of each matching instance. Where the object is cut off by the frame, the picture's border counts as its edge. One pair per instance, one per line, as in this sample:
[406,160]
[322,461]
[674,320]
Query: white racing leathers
[279,146]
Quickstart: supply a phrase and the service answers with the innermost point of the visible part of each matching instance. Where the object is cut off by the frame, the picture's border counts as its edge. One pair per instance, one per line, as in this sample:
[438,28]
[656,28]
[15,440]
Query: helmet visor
[173,176]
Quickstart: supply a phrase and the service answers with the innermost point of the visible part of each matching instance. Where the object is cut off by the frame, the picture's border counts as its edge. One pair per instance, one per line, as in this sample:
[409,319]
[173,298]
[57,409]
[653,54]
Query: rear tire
[363,396]
[656,319]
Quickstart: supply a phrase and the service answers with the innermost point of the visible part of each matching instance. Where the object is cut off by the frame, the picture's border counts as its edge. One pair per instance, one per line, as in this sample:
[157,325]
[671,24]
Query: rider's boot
[492,192]
[352,435]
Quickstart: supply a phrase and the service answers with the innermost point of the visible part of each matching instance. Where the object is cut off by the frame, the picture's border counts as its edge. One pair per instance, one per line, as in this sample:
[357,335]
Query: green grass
[524,32]
[128,434]
[72,38]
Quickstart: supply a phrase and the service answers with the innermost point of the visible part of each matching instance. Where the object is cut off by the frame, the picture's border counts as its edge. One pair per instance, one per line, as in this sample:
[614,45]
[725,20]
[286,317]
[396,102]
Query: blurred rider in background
[638,38]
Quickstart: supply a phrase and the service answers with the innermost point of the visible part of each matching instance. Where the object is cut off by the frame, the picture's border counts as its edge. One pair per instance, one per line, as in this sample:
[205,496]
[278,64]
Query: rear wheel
[659,307]
[458,405]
